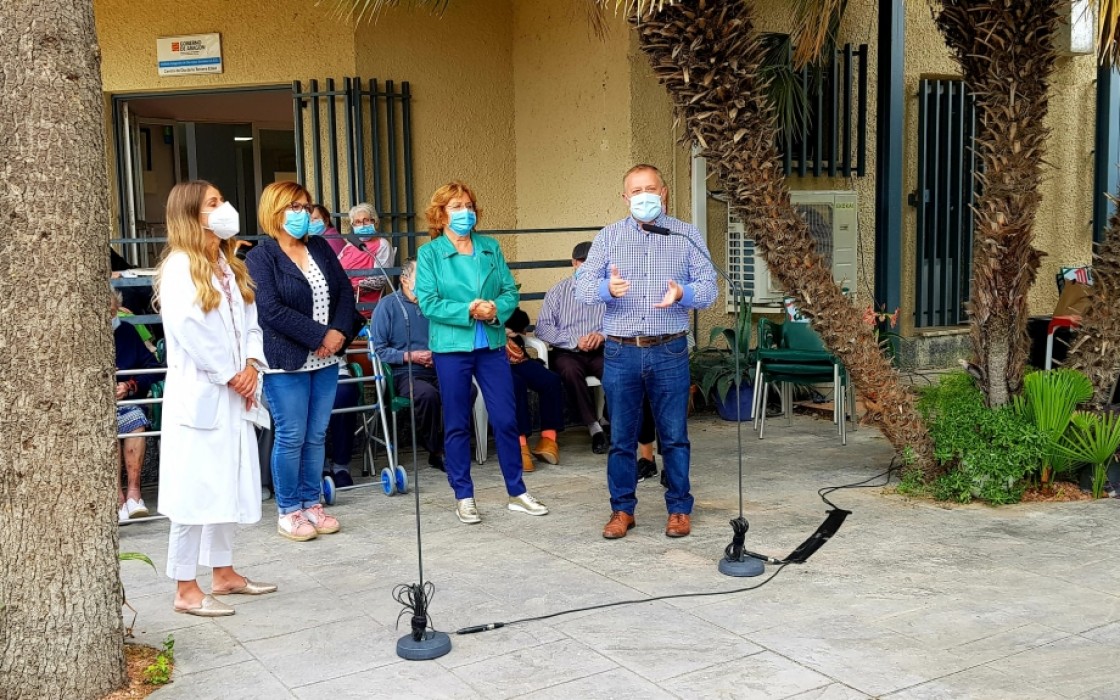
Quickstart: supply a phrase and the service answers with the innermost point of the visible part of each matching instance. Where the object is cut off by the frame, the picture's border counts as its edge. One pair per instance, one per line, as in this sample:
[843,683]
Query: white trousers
[191,545]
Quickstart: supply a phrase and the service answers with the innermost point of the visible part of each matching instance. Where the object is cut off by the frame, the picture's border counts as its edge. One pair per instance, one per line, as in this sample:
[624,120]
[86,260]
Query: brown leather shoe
[617,526]
[680,525]
[547,450]
[527,464]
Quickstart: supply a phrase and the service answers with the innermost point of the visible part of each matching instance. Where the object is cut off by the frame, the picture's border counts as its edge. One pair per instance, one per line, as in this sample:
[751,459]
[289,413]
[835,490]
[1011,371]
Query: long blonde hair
[186,235]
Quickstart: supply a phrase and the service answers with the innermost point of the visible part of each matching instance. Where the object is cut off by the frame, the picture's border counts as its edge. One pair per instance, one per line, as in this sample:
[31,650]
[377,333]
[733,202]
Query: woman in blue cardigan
[306,310]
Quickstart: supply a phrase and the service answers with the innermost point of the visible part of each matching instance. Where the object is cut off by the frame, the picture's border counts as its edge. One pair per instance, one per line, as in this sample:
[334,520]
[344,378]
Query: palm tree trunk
[1096,352]
[61,633]
[1005,49]
[707,54]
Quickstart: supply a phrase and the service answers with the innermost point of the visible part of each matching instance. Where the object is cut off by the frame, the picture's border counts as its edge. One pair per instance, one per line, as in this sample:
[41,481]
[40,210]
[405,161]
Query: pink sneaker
[324,524]
[295,526]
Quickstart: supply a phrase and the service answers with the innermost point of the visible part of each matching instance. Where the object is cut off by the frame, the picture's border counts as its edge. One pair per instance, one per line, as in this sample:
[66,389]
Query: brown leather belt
[647,341]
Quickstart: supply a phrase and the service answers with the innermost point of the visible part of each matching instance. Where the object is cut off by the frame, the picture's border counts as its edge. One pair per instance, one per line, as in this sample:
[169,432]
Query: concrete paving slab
[912,597]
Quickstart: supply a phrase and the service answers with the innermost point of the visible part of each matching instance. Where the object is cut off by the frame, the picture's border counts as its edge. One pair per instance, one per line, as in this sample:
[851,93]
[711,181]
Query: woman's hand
[245,382]
[483,310]
[332,342]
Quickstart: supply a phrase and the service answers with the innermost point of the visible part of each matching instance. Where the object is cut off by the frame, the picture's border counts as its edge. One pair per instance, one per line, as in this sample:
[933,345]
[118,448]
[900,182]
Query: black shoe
[436,461]
[342,478]
[664,479]
[647,468]
[599,444]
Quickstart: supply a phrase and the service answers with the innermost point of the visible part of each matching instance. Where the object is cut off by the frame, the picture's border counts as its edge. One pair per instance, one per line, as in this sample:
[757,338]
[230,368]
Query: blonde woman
[209,475]
[307,313]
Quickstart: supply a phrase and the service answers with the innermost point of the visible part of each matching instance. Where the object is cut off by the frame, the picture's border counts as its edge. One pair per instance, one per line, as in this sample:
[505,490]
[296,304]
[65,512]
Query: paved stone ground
[910,600]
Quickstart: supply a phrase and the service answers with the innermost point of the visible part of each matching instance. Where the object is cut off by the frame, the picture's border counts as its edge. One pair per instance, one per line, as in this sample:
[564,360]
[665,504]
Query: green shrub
[988,453]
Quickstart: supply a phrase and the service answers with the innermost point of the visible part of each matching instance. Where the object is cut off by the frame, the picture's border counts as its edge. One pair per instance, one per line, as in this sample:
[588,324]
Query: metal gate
[372,163]
[943,201]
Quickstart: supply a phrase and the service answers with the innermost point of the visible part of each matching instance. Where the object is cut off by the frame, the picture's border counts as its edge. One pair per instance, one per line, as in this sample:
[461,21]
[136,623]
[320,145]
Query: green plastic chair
[793,354]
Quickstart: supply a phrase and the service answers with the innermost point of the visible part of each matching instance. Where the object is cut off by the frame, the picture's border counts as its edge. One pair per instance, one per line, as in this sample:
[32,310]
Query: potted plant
[718,374]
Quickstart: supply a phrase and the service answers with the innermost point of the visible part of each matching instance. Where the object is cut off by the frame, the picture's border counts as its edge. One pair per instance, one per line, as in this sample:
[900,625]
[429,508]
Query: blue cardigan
[284,303]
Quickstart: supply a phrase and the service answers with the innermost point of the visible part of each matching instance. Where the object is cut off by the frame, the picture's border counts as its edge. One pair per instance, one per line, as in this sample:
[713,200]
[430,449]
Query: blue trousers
[490,369]
[550,392]
[659,373]
[343,425]
[300,403]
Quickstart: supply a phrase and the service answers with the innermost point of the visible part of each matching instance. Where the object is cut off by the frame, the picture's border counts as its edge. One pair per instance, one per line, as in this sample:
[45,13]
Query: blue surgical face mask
[296,223]
[316,227]
[575,272]
[116,322]
[645,206]
[365,231]
[462,222]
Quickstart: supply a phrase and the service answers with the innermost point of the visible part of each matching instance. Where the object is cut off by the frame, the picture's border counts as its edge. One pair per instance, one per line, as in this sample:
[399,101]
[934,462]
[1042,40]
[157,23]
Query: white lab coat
[209,471]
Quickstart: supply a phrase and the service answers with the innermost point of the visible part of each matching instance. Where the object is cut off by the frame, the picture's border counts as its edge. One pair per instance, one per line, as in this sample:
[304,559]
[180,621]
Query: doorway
[239,140]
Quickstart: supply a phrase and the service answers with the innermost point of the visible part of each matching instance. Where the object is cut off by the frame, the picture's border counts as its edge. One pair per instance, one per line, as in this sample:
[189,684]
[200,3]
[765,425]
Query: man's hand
[591,341]
[672,295]
[419,357]
[617,286]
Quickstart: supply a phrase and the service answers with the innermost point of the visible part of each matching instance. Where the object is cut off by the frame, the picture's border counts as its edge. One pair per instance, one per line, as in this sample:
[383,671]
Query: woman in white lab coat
[209,477]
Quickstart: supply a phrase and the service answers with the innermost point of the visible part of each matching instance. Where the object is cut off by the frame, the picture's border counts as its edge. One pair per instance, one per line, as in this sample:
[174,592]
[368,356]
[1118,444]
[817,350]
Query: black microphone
[660,230]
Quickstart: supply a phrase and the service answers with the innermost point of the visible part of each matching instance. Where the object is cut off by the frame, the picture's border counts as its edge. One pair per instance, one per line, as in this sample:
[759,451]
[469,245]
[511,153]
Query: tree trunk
[707,55]
[61,634]
[1096,352]
[1005,49]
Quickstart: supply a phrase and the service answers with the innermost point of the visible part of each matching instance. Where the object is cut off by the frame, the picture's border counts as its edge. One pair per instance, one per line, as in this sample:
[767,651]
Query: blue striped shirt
[563,320]
[648,261]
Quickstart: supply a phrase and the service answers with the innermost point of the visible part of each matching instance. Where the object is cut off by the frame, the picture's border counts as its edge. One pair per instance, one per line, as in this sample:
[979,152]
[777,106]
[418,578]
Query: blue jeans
[659,373]
[301,409]
[491,369]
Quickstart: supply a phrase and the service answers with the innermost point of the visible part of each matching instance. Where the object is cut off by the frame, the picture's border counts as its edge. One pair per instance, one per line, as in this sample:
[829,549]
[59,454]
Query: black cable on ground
[781,564]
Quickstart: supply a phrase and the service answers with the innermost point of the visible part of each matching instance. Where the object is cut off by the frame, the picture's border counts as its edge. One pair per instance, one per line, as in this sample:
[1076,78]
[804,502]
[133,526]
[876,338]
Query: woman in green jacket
[466,292]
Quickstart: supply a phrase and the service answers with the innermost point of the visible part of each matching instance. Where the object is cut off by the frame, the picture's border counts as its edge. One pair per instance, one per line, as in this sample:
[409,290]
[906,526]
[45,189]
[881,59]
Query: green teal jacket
[446,284]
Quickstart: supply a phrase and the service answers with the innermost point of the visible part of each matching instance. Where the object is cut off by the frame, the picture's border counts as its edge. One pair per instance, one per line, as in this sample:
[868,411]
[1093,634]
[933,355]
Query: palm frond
[1108,32]
[357,10]
[816,24]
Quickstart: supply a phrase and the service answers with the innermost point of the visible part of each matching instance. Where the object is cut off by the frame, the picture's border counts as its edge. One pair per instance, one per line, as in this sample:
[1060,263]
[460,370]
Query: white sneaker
[122,514]
[467,511]
[527,504]
[136,508]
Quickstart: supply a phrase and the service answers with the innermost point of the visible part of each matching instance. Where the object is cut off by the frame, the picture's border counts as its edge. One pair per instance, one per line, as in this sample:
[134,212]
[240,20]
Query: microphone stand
[424,642]
[736,561]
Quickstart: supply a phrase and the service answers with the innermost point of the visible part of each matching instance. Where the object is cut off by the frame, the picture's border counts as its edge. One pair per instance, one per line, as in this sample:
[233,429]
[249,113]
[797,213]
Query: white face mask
[224,221]
[116,322]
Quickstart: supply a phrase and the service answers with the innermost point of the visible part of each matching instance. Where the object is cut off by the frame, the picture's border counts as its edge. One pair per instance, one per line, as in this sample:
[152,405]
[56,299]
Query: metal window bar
[943,202]
[834,139]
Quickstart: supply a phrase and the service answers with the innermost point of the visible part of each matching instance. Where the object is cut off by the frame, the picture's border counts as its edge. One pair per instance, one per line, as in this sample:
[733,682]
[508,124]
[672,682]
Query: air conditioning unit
[833,222]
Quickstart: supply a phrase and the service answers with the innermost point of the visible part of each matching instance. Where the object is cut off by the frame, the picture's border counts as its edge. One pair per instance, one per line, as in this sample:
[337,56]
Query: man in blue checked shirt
[648,283]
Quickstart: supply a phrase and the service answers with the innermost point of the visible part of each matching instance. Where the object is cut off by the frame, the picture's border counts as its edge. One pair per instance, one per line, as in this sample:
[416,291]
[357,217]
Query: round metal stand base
[432,646]
[747,566]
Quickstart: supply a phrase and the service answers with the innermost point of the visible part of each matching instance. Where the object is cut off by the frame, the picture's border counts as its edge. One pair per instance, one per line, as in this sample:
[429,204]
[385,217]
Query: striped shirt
[564,320]
[648,261]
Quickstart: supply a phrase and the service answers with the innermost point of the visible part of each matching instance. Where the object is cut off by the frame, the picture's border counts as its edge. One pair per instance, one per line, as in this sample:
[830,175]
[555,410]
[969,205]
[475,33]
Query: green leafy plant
[159,672]
[133,556]
[715,367]
[986,453]
[1048,400]
[1093,438]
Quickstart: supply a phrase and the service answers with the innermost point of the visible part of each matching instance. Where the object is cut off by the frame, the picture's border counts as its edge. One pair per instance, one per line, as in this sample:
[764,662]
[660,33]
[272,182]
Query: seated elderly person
[131,354]
[367,253]
[529,373]
[574,330]
[404,348]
